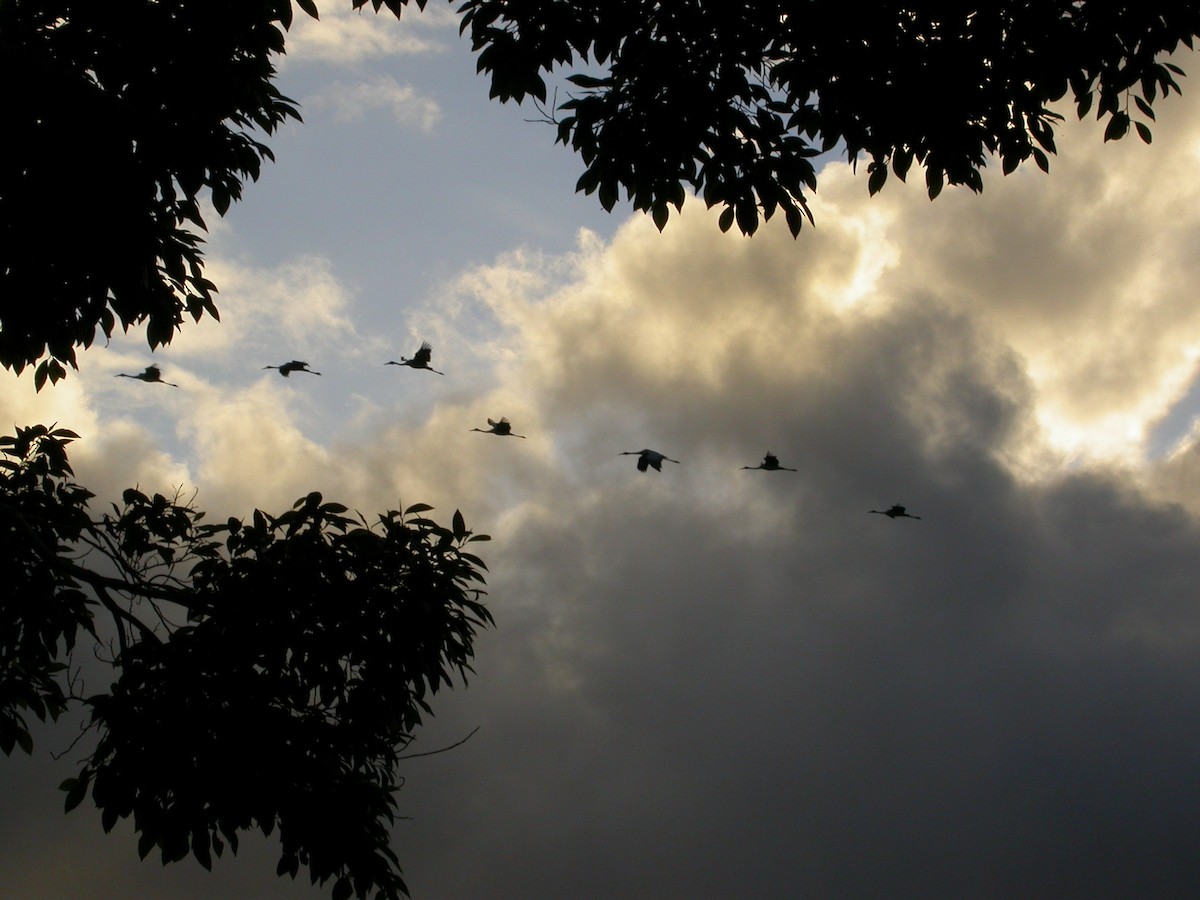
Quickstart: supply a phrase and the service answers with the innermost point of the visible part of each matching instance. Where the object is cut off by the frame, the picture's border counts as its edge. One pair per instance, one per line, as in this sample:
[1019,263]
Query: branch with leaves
[733,100]
[269,672]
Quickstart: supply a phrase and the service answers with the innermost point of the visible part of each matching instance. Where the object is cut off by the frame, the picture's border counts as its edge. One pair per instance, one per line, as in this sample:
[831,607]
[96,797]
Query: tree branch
[443,749]
[52,559]
[121,614]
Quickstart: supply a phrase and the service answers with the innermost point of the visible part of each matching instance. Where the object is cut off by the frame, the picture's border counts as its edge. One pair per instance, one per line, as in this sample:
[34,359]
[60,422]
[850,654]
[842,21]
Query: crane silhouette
[771,464]
[294,366]
[895,512]
[419,361]
[152,373]
[648,458]
[502,428]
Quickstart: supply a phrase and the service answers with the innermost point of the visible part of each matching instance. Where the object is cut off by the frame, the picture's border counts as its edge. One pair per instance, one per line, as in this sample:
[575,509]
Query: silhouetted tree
[731,100]
[268,673]
[734,99]
[127,111]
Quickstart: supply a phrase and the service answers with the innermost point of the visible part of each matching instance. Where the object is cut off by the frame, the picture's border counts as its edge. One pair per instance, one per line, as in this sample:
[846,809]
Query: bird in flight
[419,361]
[648,458]
[502,428]
[294,366]
[895,512]
[771,464]
[152,373]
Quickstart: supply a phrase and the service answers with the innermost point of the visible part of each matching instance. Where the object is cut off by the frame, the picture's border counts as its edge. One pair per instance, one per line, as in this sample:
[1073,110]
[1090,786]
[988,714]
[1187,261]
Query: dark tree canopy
[732,100]
[268,673]
[127,111]
[131,110]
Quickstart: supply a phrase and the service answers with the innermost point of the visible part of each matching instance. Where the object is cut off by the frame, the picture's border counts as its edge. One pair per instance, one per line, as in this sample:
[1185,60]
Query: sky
[707,682]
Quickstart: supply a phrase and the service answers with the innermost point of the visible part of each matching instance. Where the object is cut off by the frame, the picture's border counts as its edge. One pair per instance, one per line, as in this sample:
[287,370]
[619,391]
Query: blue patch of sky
[1176,424]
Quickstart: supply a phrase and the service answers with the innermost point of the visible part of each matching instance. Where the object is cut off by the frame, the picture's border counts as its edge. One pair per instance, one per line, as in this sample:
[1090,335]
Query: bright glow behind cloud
[345,37]
[1087,273]
[1069,279]
[297,308]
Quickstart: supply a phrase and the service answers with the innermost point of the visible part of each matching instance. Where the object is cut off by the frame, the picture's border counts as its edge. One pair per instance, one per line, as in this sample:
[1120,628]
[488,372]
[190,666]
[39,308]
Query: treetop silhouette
[269,672]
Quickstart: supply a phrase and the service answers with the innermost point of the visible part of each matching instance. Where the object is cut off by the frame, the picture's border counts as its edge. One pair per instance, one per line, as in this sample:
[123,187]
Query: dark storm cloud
[708,691]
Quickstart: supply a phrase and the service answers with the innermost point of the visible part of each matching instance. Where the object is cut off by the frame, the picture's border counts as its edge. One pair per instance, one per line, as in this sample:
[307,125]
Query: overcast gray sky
[709,682]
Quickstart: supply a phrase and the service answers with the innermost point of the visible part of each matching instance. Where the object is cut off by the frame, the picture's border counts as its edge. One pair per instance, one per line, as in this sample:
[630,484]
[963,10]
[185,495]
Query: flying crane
[419,361]
[771,464]
[152,373]
[648,458]
[894,512]
[503,428]
[294,366]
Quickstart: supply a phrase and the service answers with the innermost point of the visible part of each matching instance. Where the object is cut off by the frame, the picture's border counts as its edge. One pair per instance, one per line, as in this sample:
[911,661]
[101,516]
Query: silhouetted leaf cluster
[734,99]
[42,610]
[269,673]
[127,113]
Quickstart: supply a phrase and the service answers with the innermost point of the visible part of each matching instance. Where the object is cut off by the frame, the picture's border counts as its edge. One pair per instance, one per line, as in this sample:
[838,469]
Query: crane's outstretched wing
[423,355]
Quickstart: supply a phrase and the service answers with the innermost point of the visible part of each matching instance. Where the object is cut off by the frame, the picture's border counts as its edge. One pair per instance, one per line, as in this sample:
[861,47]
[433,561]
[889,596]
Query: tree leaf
[75,793]
[588,81]
[746,213]
[878,176]
[146,843]
[201,845]
[935,180]
[1118,125]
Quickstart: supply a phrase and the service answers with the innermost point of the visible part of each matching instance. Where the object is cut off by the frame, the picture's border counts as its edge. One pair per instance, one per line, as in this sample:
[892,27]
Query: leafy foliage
[734,99]
[42,608]
[307,649]
[127,112]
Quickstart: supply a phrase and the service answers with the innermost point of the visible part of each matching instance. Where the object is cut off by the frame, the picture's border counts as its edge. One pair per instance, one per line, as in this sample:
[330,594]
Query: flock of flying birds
[647,459]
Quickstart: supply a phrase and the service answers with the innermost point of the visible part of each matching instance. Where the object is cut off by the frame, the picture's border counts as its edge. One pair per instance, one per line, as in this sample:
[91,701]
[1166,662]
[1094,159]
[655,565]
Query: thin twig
[443,749]
[82,731]
[118,615]
[547,118]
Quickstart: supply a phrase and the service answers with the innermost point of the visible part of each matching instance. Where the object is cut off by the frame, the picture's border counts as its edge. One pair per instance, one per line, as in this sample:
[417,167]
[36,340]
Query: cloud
[115,450]
[298,307]
[352,103]
[346,37]
[721,683]
[712,682]
[1086,272]
[241,435]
